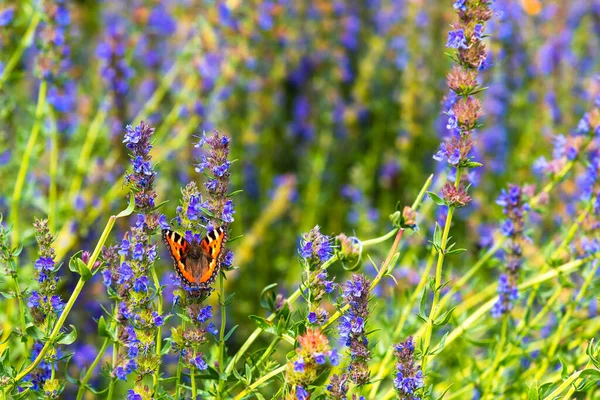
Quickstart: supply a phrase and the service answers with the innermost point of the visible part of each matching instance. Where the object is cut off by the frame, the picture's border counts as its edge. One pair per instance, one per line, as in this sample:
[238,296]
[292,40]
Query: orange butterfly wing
[211,246]
[178,246]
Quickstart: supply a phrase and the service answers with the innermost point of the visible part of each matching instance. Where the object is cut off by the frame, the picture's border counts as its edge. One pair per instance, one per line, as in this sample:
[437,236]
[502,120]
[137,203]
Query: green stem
[222,334]
[179,368]
[24,166]
[499,352]
[23,44]
[256,333]
[438,278]
[53,171]
[389,354]
[260,381]
[159,310]
[83,384]
[111,385]
[487,306]
[556,336]
[76,291]
[86,150]
[193,380]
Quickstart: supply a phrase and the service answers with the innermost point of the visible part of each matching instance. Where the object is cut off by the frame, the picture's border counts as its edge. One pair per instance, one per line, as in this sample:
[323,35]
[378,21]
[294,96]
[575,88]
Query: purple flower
[457,39]
[138,251]
[228,212]
[158,320]
[132,395]
[6,16]
[34,299]
[141,284]
[56,303]
[205,314]
[334,357]
[312,317]
[199,363]
[299,365]
[319,358]
[301,393]
[44,264]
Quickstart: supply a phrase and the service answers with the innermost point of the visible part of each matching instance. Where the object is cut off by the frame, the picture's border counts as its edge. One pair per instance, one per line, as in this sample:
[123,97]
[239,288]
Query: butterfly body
[196,263]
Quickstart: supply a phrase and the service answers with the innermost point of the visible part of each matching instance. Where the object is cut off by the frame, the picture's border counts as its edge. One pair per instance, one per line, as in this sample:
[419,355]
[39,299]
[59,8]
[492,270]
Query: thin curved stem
[24,166]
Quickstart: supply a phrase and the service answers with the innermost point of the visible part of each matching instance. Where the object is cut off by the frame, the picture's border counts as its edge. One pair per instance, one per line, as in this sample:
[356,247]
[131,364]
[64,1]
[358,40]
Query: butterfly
[196,263]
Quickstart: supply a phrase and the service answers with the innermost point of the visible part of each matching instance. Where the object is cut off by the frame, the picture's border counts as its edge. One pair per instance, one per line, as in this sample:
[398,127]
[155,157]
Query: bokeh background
[334,108]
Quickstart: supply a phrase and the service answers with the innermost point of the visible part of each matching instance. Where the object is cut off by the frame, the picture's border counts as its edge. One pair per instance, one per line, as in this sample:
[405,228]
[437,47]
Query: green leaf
[564,373]
[444,318]
[533,393]
[73,267]
[441,345]
[436,199]
[68,338]
[456,251]
[230,333]
[129,210]
[263,324]
[35,332]
[102,328]
[84,271]
[422,302]
[472,164]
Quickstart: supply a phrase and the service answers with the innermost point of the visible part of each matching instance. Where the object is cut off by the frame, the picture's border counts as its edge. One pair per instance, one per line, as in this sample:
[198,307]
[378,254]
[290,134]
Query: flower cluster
[127,281]
[196,217]
[215,165]
[463,110]
[514,207]
[187,340]
[316,248]
[409,377]
[52,59]
[45,307]
[352,327]
[310,360]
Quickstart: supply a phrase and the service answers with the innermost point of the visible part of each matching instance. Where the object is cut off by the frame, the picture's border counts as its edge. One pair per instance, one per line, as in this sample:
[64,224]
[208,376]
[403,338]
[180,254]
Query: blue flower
[158,320]
[301,393]
[212,329]
[459,5]
[125,273]
[132,135]
[138,251]
[107,277]
[457,39]
[202,164]
[57,304]
[222,169]
[132,395]
[507,228]
[6,16]
[205,314]
[312,317]
[478,31]
[34,299]
[306,250]
[319,358]
[44,264]
[124,249]
[151,254]
[228,211]
[199,363]
[162,221]
[141,284]
[334,358]
[299,365]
